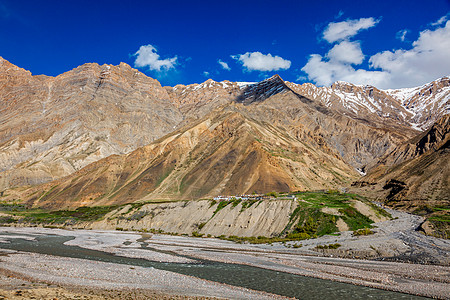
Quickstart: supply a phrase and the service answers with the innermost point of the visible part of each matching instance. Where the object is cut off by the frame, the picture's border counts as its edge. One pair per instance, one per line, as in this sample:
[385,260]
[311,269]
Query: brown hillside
[415,176]
[225,153]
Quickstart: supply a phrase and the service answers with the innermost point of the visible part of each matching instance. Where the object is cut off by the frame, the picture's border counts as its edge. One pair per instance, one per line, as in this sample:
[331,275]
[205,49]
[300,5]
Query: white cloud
[427,60]
[337,65]
[346,52]
[346,29]
[441,21]
[325,72]
[147,56]
[206,73]
[224,65]
[401,35]
[256,61]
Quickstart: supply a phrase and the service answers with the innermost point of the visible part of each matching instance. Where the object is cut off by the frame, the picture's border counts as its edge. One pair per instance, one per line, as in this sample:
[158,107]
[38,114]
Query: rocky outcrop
[266,218]
[263,90]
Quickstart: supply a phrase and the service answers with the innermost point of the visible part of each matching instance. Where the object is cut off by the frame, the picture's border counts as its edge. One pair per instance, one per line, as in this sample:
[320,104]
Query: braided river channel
[255,278]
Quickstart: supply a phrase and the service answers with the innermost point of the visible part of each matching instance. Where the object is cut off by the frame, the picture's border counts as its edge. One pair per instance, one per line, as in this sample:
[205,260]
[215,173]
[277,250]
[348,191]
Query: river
[255,278]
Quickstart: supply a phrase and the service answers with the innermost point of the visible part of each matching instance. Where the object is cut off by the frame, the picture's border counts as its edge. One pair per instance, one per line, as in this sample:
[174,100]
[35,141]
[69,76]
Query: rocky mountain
[417,173]
[224,153]
[52,126]
[417,108]
[110,134]
[416,177]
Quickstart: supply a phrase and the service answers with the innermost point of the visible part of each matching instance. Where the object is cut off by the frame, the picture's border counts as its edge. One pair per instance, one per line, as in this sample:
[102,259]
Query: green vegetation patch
[442,218]
[441,226]
[221,205]
[12,207]
[39,216]
[7,220]
[354,219]
[329,246]
[363,231]
[332,199]
[441,208]
[247,204]
[235,202]
[309,219]
[196,234]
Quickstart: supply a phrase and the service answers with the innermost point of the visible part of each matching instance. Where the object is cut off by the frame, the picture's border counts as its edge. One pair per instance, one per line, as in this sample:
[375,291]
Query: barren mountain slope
[53,126]
[359,143]
[416,177]
[224,153]
[417,173]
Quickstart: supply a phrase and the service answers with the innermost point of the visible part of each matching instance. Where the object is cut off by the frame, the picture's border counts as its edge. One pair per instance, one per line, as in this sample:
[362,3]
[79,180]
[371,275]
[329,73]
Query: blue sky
[389,44]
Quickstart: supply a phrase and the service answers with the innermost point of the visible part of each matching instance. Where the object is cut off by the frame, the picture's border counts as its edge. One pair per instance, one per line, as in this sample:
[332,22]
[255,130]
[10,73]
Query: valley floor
[407,261]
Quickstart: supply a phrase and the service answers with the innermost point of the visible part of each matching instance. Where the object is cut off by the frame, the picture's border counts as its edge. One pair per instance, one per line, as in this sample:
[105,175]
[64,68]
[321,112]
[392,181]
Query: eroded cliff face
[268,218]
[416,174]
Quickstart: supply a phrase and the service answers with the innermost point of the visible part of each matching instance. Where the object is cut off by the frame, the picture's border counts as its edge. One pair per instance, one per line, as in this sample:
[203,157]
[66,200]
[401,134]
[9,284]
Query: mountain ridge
[59,126]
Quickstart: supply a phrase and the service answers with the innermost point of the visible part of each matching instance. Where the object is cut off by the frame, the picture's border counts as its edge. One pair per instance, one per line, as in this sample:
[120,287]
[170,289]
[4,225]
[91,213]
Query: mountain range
[101,135]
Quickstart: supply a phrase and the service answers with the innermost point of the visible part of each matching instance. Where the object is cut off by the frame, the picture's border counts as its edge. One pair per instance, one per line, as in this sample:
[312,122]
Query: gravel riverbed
[396,258]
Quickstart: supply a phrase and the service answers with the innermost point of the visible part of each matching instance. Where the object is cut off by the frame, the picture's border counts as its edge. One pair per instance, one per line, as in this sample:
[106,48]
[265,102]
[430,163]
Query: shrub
[196,234]
[363,231]
[298,236]
[272,194]
[221,205]
[330,246]
[7,220]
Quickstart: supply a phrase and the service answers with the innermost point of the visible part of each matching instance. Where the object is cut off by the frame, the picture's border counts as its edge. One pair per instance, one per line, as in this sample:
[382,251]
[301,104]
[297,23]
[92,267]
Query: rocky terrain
[416,177]
[108,135]
[416,107]
[267,218]
[396,238]
[53,126]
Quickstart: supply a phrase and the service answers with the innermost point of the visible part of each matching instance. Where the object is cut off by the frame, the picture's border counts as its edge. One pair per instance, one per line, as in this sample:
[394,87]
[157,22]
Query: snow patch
[243,84]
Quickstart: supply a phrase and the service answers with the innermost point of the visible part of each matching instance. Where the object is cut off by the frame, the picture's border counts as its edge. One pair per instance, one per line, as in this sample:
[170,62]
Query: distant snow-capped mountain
[417,107]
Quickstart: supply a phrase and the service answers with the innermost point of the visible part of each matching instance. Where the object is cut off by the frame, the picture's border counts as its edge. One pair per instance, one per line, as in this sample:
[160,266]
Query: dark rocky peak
[260,91]
[434,137]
